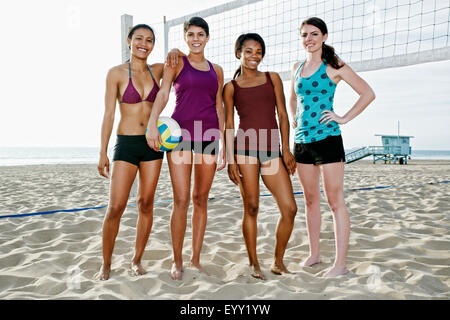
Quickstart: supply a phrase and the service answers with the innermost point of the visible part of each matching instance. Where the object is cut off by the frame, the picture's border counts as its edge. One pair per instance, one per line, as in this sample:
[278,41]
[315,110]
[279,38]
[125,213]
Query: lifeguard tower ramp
[386,154]
[395,149]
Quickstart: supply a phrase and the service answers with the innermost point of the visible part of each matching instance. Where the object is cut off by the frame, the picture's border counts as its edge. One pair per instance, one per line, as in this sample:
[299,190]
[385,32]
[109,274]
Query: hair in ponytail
[240,42]
[328,52]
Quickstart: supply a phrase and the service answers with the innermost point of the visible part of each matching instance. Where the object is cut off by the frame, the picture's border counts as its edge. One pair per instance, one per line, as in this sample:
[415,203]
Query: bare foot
[103,274]
[336,271]
[310,261]
[198,267]
[176,273]
[257,273]
[137,269]
[279,269]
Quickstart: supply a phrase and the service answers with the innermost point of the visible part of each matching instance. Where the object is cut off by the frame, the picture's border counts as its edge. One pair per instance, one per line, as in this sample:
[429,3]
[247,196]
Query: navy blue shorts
[134,149]
[328,150]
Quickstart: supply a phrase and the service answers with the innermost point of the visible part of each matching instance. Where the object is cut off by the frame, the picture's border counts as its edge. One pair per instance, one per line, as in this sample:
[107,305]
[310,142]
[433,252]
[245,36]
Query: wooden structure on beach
[395,148]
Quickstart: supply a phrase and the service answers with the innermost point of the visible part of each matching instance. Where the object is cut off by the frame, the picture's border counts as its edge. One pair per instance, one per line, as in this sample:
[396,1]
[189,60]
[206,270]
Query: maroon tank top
[256,107]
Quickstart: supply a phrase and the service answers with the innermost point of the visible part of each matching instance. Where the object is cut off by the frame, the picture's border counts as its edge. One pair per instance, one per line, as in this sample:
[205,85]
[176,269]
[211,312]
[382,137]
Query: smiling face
[312,38]
[142,43]
[251,54]
[196,39]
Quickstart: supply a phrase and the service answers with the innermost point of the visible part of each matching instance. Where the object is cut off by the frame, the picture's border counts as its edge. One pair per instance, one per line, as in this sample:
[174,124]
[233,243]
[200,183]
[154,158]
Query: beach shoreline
[399,242]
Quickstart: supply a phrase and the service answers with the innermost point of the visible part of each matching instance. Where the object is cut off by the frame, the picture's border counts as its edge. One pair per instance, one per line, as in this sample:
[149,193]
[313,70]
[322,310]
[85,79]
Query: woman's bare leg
[309,176]
[204,171]
[279,184]
[333,179]
[148,179]
[180,167]
[122,178]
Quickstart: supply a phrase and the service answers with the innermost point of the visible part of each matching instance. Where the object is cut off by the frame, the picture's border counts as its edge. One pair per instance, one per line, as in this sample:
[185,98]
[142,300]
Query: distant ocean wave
[12,156]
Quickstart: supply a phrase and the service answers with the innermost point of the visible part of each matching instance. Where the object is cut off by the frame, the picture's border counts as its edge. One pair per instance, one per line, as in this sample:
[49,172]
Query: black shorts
[134,149]
[203,147]
[328,150]
[262,156]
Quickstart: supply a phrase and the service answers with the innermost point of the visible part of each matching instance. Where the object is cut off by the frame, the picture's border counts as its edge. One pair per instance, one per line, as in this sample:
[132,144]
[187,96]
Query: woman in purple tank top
[255,151]
[199,111]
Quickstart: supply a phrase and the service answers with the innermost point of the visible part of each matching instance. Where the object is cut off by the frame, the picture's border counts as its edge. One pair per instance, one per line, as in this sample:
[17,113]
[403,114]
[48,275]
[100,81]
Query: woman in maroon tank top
[255,151]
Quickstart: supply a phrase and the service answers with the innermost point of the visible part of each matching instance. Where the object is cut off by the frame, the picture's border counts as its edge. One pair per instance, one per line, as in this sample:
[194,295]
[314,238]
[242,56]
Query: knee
[115,211]
[181,201]
[200,199]
[312,200]
[252,208]
[291,211]
[336,203]
[145,205]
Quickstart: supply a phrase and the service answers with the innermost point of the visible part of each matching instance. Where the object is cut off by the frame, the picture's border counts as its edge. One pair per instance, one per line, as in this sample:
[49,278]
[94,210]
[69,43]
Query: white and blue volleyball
[170,133]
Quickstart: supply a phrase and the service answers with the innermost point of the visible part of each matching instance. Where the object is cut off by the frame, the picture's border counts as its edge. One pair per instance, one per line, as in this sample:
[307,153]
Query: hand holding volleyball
[166,137]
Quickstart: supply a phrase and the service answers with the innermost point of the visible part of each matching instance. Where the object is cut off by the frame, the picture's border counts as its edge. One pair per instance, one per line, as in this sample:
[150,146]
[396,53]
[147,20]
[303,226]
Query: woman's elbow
[371,95]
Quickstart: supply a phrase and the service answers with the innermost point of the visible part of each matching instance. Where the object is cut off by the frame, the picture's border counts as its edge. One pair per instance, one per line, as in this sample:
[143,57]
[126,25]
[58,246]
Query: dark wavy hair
[328,52]
[240,42]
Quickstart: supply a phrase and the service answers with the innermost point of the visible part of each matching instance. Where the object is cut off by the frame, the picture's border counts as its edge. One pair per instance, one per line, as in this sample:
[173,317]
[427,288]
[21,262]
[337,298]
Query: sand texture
[399,242]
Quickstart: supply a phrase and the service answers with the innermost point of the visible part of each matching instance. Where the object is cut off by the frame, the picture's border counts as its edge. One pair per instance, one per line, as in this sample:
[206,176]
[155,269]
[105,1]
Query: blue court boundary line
[20,215]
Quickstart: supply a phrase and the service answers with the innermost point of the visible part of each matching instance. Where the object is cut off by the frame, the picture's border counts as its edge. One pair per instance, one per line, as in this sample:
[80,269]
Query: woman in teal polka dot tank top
[318,147]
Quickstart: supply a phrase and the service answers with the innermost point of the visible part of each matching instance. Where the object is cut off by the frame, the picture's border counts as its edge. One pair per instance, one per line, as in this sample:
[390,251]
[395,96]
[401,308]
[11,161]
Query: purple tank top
[195,107]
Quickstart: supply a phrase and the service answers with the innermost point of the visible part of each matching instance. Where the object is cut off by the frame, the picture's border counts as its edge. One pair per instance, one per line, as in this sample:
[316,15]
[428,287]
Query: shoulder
[296,66]
[275,77]
[345,69]
[342,65]
[116,72]
[157,68]
[217,68]
[228,88]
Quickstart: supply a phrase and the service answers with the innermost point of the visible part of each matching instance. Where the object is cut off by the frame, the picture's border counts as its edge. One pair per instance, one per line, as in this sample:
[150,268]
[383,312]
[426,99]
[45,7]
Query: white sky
[56,55]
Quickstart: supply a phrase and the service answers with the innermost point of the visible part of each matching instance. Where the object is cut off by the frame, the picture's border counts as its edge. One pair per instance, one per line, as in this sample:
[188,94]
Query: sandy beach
[399,242]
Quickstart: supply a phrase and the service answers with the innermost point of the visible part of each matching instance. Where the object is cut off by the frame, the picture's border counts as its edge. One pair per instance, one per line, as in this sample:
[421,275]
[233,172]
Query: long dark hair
[328,52]
[240,42]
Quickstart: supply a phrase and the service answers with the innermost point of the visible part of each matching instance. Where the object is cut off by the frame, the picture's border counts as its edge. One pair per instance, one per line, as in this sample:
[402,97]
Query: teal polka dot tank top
[314,95]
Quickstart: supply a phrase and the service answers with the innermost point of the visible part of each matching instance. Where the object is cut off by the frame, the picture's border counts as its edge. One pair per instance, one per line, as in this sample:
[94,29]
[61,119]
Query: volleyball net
[367,34]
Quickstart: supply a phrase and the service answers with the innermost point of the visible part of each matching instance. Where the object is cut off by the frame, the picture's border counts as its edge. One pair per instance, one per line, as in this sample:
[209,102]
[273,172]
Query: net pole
[126,24]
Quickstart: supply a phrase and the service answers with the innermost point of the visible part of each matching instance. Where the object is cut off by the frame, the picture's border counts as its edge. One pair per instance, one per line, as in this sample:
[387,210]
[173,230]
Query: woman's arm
[220,115]
[283,121]
[112,80]
[293,97]
[169,76]
[365,92]
[233,169]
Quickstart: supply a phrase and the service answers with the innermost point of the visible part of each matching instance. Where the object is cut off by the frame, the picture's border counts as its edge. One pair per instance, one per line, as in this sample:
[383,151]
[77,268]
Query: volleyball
[170,133]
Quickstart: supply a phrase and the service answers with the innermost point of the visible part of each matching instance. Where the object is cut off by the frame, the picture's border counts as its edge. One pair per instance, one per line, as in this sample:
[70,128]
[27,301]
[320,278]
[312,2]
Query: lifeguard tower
[394,148]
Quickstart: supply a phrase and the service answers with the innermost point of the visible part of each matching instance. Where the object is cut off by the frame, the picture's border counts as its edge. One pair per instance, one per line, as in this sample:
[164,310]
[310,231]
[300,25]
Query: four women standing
[254,152]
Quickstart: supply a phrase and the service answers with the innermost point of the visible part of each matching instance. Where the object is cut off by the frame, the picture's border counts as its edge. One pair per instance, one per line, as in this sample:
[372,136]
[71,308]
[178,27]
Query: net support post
[126,23]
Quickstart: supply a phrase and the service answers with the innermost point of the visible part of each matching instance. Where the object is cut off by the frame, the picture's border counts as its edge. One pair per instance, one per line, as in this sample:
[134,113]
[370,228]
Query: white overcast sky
[56,53]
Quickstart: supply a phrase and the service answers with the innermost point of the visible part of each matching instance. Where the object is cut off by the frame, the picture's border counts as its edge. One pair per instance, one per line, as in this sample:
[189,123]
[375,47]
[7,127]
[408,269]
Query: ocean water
[11,156]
